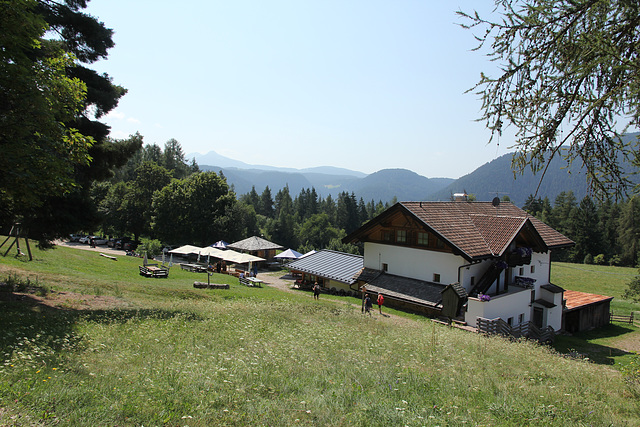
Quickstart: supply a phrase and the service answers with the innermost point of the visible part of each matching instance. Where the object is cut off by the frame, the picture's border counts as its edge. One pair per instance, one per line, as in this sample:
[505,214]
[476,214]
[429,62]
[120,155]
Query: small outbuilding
[583,311]
[256,246]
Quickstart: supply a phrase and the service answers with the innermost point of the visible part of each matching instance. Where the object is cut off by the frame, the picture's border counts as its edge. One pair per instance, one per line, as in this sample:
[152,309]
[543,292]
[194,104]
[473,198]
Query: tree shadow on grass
[582,344]
[26,318]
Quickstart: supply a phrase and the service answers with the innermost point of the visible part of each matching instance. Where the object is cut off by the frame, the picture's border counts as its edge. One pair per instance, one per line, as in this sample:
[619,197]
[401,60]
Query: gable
[400,227]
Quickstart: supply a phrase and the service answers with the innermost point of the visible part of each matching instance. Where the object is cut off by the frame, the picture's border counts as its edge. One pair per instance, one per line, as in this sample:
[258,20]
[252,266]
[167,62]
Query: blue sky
[364,85]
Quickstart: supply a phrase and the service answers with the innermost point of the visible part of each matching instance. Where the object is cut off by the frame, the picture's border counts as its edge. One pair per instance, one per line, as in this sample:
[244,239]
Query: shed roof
[419,292]
[333,265]
[577,299]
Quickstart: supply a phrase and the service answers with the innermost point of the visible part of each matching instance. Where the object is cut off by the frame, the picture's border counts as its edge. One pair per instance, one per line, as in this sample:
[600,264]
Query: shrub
[588,259]
[153,247]
[599,259]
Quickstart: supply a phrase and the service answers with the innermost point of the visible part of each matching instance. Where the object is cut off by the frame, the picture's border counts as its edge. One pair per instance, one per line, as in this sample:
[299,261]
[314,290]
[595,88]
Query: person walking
[367,304]
[316,291]
[380,302]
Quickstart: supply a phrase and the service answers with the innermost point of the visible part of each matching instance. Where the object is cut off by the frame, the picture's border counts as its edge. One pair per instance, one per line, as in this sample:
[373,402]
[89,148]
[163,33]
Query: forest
[159,196]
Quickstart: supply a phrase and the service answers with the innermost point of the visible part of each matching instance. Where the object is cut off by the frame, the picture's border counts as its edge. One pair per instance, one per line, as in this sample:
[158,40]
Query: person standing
[316,291]
[380,302]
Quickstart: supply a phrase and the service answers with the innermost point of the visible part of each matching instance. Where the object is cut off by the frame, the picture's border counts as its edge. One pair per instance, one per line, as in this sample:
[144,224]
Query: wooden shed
[453,298]
[584,311]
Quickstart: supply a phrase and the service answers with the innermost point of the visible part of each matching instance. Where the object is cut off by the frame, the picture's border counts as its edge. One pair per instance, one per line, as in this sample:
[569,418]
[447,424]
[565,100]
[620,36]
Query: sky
[358,84]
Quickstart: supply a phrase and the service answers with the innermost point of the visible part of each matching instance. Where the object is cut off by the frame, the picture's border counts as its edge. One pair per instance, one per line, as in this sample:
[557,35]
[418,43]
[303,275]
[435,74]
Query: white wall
[474,270]
[553,314]
[414,263]
[503,306]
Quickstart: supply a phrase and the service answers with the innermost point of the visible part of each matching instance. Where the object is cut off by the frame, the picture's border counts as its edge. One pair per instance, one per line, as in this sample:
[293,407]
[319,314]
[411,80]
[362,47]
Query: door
[537,316]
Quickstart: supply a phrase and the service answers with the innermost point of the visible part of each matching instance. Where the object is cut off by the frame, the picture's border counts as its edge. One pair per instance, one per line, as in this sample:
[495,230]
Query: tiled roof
[480,229]
[333,265]
[577,299]
[407,289]
[367,274]
[254,243]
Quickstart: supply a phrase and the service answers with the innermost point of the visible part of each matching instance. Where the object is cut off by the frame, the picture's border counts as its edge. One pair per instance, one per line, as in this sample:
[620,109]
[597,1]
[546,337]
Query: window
[510,321]
[533,269]
[439,243]
[473,281]
[521,271]
[401,236]
[387,236]
[423,239]
[521,318]
[385,266]
[436,278]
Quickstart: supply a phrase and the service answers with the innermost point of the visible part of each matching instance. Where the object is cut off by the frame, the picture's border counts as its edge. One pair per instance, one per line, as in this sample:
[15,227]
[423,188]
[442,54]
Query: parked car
[126,244]
[75,237]
[84,239]
[99,240]
[130,245]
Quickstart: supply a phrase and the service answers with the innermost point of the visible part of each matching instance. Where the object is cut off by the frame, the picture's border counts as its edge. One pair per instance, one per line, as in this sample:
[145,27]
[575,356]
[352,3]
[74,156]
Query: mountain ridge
[494,178]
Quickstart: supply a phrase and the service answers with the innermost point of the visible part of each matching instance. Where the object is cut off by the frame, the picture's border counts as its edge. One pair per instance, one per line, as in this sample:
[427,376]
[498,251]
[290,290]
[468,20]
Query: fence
[526,329]
[621,318]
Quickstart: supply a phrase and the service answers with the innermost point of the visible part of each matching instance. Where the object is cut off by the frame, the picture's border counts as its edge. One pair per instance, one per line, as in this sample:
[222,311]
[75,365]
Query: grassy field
[616,344]
[106,346]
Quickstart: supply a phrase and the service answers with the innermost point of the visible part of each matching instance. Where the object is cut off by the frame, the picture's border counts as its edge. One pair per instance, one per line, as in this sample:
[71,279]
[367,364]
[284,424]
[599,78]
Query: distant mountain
[380,186]
[401,183]
[488,181]
[496,179]
[215,161]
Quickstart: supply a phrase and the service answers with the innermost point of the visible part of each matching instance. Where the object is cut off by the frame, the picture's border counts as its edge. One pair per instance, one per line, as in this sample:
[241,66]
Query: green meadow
[90,342]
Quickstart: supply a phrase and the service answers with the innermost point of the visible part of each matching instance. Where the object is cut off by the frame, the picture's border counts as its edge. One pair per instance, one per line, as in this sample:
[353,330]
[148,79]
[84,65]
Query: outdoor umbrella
[289,254]
[220,244]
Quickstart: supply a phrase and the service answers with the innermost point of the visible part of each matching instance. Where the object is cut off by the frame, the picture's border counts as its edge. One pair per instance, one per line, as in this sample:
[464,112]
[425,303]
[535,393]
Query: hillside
[100,345]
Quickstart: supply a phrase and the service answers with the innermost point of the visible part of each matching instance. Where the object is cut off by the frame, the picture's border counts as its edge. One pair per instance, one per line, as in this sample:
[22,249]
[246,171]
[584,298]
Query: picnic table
[251,281]
[153,271]
[196,268]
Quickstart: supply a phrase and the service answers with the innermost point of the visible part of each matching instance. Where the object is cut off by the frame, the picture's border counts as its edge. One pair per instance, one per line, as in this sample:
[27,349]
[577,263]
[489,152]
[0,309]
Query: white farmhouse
[497,256]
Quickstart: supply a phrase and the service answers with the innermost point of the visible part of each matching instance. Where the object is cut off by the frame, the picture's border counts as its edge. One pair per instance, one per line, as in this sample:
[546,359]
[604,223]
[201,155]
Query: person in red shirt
[380,302]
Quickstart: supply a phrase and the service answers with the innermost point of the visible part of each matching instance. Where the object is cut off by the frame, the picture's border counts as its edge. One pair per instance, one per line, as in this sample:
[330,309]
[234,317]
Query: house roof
[577,299]
[333,265]
[405,289]
[476,229]
[254,243]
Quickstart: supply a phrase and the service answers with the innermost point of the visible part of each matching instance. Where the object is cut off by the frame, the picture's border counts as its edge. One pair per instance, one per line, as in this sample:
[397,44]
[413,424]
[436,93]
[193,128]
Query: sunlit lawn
[169,354]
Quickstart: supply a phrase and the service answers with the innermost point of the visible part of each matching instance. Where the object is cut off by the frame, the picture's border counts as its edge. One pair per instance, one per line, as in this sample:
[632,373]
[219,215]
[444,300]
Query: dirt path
[102,249]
